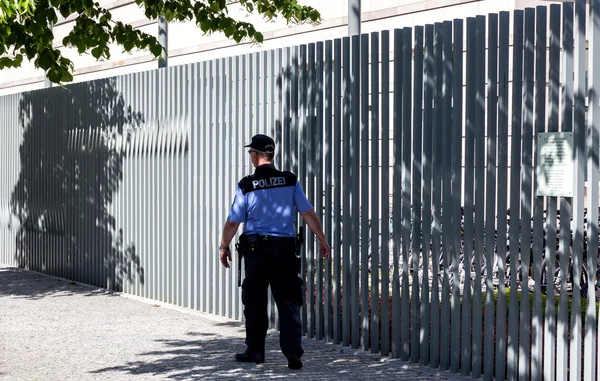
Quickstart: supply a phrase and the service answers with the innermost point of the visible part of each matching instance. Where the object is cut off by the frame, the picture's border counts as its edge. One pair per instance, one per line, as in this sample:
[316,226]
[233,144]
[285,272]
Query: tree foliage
[26,27]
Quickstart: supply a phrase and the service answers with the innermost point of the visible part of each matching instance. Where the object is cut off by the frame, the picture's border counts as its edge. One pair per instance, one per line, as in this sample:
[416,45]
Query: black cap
[262,143]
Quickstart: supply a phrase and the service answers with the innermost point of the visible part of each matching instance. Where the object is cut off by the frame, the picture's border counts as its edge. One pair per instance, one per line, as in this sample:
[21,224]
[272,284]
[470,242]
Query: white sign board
[555,164]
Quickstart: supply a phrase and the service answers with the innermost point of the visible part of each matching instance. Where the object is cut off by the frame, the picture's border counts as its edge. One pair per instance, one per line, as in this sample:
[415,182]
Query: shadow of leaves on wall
[72,156]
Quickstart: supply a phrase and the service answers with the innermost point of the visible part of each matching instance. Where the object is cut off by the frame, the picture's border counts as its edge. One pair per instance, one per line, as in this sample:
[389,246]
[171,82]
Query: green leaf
[45,60]
[18,60]
[156,50]
[67,77]
[314,15]
[214,6]
[97,52]
[54,75]
[64,11]
[205,26]
[229,31]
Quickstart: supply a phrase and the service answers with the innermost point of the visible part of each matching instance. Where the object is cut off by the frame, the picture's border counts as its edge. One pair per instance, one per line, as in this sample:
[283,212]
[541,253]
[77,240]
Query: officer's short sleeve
[238,208]
[300,201]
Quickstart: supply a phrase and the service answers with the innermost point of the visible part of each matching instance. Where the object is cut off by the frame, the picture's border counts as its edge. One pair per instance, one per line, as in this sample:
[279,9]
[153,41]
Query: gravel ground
[52,329]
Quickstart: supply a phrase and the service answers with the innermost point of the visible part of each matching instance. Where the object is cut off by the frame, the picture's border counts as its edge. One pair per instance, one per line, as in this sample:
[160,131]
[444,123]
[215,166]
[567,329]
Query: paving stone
[53,329]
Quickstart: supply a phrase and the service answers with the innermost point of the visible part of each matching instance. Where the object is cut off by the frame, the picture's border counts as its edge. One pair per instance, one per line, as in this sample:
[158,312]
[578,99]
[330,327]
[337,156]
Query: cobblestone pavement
[54,330]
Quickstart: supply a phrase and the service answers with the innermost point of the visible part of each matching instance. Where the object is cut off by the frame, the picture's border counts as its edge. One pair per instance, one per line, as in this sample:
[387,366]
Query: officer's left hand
[324,249]
[225,255]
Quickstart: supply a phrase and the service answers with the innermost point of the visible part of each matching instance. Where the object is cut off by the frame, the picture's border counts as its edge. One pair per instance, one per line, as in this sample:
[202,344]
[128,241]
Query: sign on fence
[556,164]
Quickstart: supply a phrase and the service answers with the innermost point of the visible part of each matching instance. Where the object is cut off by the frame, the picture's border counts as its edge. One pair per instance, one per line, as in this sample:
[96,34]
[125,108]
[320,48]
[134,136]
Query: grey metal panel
[446,136]
[426,160]
[229,180]
[271,130]
[330,181]
[140,103]
[277,111]
[236,173]
[593,125]
[579,140]
[151,271]
[550,249]
[187,236]
[160,187]
[526,188]
[310,186]
[406,187]
[336,251]
[364,191]
[267,95]
[204,175]
[301,154]
[319,180]
[417,143]
[538,202]
[436,145]
[397,197]
[294,110]
[562,329]
[456,190]
[355,187]
[250,86]
[385,195]
[468,194]
[347,230]
[192,198]
[241,155]
[206,126]
[169,202]
[256,75]
[286,114]
[222,174]
[375,190]
[513,335]
[479,191]
[490,223]
[213,129]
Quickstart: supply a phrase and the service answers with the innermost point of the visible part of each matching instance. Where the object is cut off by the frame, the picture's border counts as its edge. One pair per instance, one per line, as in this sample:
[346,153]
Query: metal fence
[125,183]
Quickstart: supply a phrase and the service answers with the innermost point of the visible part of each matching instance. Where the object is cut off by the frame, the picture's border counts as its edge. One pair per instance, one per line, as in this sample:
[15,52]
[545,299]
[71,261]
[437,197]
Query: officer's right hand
[324,249]
[225,255]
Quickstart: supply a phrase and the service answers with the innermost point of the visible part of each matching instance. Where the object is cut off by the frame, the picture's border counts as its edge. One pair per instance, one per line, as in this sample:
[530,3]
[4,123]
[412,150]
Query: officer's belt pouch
[251,242]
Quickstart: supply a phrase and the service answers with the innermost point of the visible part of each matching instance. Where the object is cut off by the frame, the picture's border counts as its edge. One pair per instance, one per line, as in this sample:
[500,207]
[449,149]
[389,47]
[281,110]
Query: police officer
[266,202]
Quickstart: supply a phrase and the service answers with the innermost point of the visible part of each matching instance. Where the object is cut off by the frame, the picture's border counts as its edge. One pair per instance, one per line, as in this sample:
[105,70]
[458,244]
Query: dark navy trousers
[273,262]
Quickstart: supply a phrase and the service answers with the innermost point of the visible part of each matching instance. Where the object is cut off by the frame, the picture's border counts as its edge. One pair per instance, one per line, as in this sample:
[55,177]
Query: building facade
[187,44]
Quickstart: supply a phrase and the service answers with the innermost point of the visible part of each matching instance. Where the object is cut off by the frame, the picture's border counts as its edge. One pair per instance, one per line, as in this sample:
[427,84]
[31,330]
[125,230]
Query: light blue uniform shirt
[267,202]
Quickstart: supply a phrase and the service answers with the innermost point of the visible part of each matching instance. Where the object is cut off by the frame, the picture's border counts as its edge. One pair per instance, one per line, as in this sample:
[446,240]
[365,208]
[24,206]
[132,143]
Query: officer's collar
[265,166]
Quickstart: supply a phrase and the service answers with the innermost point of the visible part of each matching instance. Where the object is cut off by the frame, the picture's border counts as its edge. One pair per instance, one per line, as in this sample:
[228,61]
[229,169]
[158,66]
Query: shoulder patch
[290,178]
[245,184]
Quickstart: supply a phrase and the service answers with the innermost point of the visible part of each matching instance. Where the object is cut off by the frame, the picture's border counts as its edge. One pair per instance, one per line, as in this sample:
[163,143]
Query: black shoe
[247,357]
[294,362]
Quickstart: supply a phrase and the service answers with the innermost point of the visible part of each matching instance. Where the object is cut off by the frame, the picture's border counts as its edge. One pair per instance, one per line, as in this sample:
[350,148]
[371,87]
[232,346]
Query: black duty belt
[272,238]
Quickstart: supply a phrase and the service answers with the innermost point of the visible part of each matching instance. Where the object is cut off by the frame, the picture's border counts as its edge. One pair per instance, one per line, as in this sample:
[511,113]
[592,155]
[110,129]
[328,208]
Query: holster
[244,246]
[299,243]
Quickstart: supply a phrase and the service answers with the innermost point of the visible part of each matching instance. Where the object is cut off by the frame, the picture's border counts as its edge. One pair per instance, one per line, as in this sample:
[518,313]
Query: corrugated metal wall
[126,182]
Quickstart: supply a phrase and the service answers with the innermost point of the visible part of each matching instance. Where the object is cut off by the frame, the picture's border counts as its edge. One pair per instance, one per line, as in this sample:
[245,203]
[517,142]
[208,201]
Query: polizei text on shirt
[268,183]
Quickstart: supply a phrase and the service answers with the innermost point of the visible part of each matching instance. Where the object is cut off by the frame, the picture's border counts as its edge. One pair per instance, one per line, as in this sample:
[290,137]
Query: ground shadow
[211,358]
[14,285]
